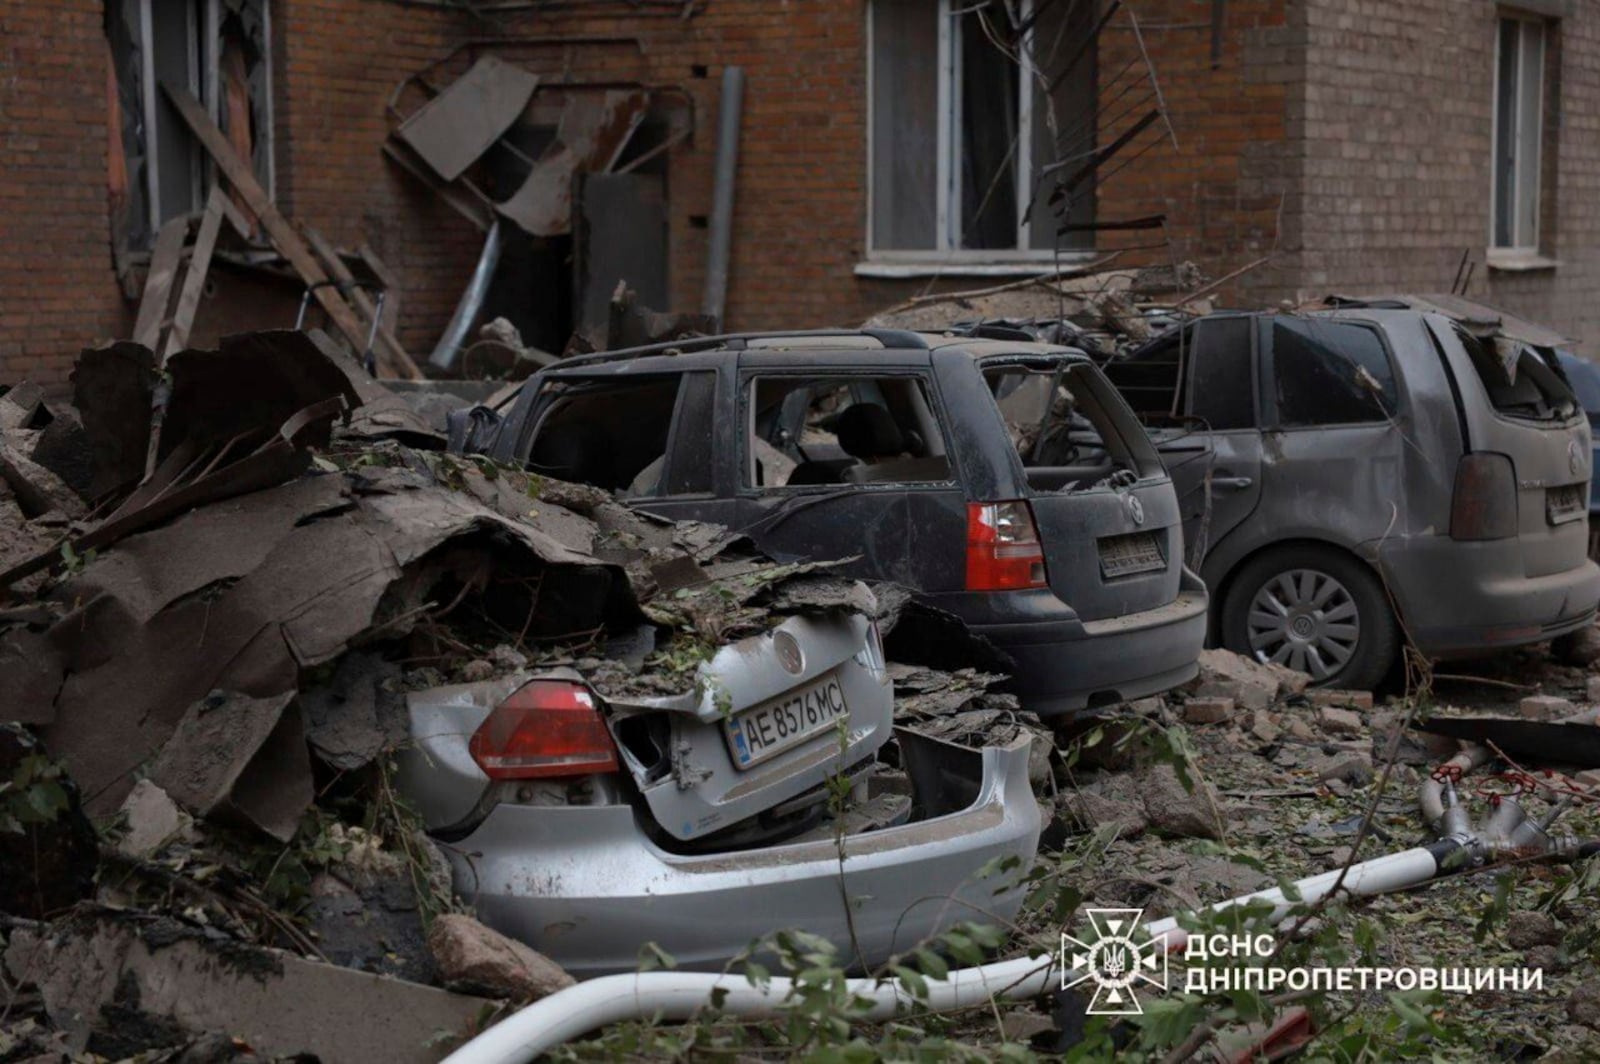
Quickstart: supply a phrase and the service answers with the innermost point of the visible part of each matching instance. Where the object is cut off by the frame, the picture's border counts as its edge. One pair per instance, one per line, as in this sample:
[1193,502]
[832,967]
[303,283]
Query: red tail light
[546,728]
[1484,505]
[1003,549]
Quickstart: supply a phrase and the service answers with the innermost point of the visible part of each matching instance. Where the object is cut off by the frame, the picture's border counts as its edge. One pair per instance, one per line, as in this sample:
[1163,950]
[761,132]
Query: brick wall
[57,286]
[1226,185]
[1347,138]
[1396,177]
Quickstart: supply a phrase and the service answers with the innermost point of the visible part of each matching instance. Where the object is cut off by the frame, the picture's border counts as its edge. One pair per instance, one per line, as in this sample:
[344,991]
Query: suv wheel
[1315,610]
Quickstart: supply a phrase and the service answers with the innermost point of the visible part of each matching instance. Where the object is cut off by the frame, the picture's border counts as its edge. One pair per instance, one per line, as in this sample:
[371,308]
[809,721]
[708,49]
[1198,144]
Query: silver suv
[1356,476]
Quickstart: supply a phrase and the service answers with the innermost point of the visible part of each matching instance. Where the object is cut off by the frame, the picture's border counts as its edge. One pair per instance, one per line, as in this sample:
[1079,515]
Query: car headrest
[867,431]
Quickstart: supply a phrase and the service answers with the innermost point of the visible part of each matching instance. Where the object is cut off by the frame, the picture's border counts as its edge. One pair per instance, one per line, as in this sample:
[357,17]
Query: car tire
[1319,592]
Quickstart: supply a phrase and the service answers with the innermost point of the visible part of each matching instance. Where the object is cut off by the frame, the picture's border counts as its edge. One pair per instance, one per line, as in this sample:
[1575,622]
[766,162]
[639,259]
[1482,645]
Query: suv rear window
[1518,380]
[1063,418]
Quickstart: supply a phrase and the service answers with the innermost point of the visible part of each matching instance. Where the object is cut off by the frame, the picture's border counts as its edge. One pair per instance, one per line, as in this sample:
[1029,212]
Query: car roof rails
[889,338]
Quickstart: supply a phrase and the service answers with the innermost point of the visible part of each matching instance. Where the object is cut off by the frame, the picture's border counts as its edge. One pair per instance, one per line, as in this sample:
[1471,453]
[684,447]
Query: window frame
[1518,247]
[947,176]
[204,82]
[1189,348]
[1270,417]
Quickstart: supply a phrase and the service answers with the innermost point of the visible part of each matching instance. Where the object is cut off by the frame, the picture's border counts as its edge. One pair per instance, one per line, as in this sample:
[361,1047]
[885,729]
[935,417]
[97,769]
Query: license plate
[1564,504]
[1139,552]
[785,723]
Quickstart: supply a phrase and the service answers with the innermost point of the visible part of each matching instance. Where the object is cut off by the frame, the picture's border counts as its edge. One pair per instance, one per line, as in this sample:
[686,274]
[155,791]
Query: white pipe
[680,995]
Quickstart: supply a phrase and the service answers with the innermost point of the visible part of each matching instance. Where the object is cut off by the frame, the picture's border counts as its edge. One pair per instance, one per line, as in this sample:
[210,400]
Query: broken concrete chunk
[1224,674]
[1112,802]
[1332,696]
[470,955]
[1264,727]
[1544,707]
[357,713]
[100,973]
[152,819]
[1354,769]
[232,755]
[1528,928]
[1207,710]
[1176,811]
[1340,721]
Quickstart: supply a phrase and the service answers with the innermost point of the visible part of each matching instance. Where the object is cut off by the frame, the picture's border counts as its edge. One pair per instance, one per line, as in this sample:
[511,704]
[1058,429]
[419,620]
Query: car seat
[868,433]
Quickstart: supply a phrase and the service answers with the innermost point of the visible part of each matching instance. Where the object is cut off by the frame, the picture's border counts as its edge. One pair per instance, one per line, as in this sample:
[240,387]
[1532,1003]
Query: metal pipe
[449,345]
[721,237]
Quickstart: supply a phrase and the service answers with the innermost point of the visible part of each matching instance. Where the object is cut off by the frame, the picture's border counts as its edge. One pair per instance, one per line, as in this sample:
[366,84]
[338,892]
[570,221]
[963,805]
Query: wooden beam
[158,282]
[277,227]
[384,343]
[194,278]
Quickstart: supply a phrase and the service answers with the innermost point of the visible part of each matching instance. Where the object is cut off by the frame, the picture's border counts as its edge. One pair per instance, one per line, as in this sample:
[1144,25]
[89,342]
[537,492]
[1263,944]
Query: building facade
[888,148]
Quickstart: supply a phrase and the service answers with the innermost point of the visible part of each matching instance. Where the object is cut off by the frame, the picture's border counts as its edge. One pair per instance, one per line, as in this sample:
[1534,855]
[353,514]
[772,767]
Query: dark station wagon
[1003,481]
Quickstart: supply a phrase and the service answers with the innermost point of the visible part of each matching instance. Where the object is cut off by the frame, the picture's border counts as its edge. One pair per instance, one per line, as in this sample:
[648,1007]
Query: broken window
[1518,131]
[843,430]
[612,435]
[218,51]
[1517,379]
[1063,419]
[1331,373]
[968,99]
[1151,378]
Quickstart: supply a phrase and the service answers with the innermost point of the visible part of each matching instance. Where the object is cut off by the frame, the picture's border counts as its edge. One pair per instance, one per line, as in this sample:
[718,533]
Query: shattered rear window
[1060,424]
[1517,379]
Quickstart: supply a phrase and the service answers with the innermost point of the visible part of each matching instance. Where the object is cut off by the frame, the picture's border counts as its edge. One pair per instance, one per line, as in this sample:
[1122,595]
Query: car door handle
[1233,483]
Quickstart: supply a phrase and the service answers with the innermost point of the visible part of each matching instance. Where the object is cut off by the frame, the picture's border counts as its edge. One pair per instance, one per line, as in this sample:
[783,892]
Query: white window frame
[1522,244]
[1021,259]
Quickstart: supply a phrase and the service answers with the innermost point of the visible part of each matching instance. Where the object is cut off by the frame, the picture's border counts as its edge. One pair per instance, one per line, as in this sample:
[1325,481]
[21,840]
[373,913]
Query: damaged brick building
[1354,145]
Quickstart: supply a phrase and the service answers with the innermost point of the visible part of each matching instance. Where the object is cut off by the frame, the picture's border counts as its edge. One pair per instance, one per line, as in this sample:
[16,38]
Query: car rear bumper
[1062,666]
[1459,597]
[583,885]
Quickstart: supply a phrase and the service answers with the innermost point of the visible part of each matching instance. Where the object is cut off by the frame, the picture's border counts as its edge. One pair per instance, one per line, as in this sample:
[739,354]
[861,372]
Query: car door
[908,530]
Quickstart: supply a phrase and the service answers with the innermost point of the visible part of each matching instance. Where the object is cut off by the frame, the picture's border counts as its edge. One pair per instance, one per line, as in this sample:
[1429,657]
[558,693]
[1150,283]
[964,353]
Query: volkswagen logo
[1135,508]
[788,651]
[1574,456]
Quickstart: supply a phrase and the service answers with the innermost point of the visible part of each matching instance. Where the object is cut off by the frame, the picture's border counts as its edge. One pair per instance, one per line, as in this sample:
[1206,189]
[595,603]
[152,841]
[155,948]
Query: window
[1518,380]
[1070,427]
[806,431]
[966,105]
[1330,373]
[1518,132]
[608,434]
[1223,392]
[218,51]
[1151,378]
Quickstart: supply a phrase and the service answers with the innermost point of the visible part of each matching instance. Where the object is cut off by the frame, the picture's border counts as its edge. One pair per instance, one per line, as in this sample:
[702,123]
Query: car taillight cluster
[1484,505]
[546,729]
[1003,548]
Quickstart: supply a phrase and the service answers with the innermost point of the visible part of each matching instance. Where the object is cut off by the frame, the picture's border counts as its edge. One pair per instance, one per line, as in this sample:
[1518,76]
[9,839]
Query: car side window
[802,431]
[1222,393]
[609,433]
[1330,373]
[1151,378]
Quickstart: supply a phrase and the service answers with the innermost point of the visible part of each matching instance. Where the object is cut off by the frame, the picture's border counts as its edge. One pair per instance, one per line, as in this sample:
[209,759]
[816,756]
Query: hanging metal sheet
[454,128]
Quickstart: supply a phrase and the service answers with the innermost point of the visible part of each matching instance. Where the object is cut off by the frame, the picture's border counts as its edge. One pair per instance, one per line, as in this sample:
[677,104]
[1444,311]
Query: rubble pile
[205,642]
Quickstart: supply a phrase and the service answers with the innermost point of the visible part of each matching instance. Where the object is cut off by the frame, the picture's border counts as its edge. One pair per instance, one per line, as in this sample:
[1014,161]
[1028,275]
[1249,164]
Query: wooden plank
[391,284]
[384,342]
[194,278]
[277,227]
[158,283]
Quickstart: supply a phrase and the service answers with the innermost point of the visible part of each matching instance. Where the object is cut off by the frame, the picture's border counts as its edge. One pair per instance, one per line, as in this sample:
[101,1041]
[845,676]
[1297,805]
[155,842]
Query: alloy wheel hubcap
[1304,619]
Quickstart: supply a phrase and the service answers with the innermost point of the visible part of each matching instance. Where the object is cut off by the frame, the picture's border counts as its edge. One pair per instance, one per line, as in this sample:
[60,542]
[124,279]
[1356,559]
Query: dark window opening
[1223,395]
[1518,380]
[1064,422]
[1151,379]
[1330,373]
[844,430]
[613,436]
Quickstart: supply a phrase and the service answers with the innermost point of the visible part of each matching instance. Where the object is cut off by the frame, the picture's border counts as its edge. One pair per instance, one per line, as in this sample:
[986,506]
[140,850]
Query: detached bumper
[585,887]
[1459,598]
[1063,666]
